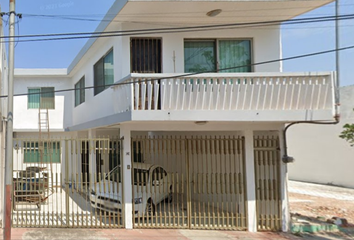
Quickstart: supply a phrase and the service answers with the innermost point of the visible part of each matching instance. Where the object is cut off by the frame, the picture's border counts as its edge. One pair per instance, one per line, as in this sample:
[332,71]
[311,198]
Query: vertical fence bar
[67,183]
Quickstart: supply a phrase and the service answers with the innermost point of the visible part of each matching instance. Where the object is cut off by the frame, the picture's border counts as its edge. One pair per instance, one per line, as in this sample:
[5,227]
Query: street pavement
[158,234]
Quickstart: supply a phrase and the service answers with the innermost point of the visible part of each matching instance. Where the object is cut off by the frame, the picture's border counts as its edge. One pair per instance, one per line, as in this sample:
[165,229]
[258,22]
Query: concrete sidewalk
[162,234]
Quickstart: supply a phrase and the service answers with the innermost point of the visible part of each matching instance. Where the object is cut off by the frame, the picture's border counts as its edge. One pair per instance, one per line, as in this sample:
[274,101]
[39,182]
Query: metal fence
[177,182]
[64,183]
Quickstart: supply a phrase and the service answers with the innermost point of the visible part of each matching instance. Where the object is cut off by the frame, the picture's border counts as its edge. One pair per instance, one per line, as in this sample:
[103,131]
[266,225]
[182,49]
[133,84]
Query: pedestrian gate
[267,177]
[194,182]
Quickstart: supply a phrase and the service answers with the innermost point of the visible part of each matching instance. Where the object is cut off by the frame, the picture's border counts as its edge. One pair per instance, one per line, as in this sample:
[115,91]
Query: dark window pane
[47,98]
[235,55]
[199,56]
[34,98]
[41,98]
[103,73]
[146,55]
[108,69]
[98,77]
[77,94]
[80,91]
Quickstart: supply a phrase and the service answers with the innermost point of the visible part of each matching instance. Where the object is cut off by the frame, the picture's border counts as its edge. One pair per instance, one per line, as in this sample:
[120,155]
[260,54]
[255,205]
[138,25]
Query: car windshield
[114,175]
[141,176]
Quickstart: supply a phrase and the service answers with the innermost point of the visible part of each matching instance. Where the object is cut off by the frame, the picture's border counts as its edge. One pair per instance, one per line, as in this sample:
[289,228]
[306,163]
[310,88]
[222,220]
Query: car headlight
[138,200]
[93,192]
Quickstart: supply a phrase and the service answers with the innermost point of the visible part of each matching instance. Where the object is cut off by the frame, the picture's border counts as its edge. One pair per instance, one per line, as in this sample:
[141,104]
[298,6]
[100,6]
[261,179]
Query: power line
[300,20]
[77,16]
[175,29]
[195,73]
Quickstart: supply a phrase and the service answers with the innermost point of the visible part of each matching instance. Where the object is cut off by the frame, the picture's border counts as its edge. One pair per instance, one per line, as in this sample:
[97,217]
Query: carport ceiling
[167,11]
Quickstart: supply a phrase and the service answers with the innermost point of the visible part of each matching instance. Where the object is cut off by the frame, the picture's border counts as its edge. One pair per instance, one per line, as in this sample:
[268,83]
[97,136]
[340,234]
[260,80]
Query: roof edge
[110,15]
[60,72]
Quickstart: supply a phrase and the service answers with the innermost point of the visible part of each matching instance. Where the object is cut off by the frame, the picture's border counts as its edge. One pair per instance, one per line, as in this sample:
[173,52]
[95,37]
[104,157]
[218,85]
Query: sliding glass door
[217,56]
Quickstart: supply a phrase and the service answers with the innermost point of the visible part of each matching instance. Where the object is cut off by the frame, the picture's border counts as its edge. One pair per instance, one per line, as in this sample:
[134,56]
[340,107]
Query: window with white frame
[217,55]
[80,91]
[41,98]
[103,73]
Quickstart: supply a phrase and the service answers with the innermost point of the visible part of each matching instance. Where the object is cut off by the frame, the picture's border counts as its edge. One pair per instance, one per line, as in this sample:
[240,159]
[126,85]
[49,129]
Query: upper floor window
[145,55]
[80,91]
[42,98]
[103,73]
[217,55]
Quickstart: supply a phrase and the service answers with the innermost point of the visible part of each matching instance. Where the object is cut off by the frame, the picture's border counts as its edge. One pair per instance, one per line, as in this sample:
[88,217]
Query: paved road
[318,190]
[157,234]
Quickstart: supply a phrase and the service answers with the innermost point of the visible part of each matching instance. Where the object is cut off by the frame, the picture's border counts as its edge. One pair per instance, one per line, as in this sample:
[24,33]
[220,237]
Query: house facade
[172,118]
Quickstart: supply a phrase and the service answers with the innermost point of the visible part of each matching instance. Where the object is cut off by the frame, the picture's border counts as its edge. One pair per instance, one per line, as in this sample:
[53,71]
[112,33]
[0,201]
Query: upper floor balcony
[255,97]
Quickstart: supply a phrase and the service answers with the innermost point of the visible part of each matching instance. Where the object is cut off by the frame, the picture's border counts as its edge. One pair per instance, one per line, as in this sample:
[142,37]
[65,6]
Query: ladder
[43,127]
[45,144]
[43,122]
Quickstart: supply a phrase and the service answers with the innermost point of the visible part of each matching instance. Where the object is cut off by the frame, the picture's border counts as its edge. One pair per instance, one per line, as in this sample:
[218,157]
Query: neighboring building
[321,156]
[209,144]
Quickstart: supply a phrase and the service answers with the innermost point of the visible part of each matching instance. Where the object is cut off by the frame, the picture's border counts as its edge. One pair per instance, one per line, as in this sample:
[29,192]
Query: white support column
[92,156]
[284,186]
[125,133]
[250,180]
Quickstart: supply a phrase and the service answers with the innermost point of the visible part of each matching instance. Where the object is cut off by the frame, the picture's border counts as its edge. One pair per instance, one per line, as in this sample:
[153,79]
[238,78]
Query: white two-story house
[180,100]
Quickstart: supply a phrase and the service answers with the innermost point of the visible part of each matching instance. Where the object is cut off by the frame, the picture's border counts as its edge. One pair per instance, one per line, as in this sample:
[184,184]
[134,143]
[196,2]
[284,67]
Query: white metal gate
[67,183]
[195,182]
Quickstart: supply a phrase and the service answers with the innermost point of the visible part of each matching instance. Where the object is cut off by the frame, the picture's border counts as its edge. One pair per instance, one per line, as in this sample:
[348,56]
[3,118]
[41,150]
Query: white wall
[265,46]
[320,155]
[27,119]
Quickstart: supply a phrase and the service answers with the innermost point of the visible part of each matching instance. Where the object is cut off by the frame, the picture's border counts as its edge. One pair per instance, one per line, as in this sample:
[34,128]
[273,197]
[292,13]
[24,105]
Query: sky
[296,39]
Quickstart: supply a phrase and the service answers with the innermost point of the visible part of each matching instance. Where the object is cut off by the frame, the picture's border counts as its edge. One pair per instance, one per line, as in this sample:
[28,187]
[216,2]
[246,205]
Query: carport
[205,177]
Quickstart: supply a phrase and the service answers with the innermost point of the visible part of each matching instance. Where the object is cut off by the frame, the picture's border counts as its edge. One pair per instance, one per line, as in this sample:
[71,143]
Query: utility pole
[9,130]
[337,53]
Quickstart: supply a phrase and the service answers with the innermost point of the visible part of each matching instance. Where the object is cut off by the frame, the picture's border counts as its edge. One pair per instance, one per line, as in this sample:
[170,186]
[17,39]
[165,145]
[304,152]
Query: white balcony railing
[226,92]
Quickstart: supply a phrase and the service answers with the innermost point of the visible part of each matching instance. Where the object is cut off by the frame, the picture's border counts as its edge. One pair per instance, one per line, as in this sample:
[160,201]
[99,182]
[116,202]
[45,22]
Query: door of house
[267,177]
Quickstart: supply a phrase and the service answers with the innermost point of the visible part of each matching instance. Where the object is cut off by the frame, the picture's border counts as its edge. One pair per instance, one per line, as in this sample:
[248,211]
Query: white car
[152,185]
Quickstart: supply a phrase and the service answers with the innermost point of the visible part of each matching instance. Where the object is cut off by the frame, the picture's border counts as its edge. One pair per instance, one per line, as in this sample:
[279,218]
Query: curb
[313,228]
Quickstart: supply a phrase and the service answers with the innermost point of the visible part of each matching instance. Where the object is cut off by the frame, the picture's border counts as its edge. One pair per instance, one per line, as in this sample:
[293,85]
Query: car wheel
[150,208]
